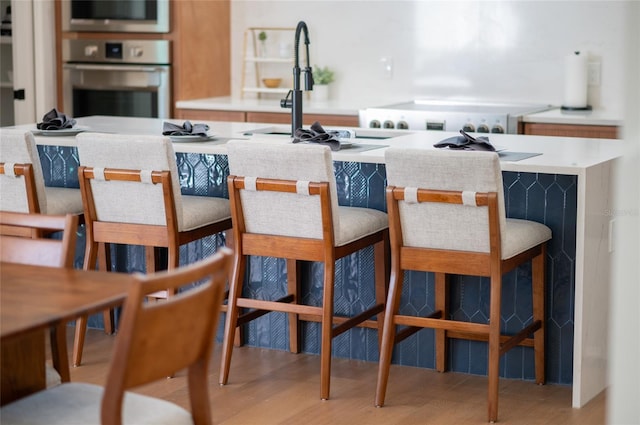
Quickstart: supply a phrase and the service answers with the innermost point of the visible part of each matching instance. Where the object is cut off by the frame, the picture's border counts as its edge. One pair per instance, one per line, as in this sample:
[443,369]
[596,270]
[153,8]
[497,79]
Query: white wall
[624,339]
[482,50]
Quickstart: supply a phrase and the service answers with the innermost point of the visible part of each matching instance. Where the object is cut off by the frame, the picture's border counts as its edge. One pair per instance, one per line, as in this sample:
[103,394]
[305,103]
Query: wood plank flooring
[276,387]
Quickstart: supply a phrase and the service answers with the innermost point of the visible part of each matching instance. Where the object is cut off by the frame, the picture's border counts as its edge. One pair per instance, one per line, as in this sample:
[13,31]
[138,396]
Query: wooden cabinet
[200,34]
[266,117]
[207,115]
[571,130]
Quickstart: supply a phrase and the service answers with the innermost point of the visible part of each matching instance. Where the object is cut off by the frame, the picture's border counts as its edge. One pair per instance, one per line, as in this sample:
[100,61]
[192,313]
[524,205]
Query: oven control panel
[495,124]
[448,116]
[116,51]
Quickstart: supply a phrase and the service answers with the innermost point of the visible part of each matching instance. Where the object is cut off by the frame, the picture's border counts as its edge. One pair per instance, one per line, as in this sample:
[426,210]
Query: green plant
[322,75]
[262,36]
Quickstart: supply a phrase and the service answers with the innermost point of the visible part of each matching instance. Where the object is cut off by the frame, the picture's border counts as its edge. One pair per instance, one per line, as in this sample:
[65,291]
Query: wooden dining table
[34,298]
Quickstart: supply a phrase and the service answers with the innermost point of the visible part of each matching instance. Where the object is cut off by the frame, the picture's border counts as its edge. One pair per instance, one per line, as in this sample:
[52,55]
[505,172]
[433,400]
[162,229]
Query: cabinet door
[30,54]
[570,130]
[308,119]
[206,115]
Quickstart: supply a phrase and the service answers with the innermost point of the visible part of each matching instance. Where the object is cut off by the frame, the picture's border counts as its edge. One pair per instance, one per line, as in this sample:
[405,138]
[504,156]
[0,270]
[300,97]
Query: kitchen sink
[360,133]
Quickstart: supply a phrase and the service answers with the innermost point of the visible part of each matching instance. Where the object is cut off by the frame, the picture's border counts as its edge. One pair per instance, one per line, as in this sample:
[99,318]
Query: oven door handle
[121,68]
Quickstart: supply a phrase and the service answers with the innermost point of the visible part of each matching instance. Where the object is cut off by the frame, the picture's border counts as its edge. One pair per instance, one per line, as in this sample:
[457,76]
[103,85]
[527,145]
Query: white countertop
[560,155]
[558,116]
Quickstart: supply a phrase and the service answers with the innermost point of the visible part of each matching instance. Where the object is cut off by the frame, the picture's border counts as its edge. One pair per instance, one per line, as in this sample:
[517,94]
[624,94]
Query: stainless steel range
[449,116]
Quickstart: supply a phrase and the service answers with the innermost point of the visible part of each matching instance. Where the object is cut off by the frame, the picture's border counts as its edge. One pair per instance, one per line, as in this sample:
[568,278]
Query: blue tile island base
[548,198]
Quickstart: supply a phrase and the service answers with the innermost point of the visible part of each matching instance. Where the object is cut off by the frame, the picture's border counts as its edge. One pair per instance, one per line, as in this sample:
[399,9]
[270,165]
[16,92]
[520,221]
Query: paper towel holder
[576,71]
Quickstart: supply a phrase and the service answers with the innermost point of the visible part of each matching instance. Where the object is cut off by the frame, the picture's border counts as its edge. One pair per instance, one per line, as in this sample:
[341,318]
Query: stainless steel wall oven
[116,15]
[124,78]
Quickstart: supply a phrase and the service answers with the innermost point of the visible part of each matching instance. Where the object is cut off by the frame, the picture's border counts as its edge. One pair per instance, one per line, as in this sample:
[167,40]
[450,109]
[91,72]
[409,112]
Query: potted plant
[262,37]
[321,79]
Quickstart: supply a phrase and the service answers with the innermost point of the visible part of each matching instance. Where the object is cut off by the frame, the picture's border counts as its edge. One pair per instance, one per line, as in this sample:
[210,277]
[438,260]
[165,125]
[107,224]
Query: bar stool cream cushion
[443,226]
[19,147]
[144,202]
[79,403]
[282,217]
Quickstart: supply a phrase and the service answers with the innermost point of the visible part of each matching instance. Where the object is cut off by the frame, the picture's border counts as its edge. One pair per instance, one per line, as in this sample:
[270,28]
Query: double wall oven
[118,77]
[116,72]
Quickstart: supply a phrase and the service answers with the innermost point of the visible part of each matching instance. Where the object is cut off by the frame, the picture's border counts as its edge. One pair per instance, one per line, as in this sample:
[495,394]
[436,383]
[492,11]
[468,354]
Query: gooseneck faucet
[295,103]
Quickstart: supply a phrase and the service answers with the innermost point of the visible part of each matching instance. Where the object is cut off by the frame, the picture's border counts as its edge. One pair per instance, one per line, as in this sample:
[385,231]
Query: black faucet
[295,102]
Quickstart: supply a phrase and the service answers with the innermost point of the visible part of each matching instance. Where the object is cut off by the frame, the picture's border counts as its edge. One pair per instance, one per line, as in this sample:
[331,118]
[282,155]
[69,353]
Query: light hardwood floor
[276,387]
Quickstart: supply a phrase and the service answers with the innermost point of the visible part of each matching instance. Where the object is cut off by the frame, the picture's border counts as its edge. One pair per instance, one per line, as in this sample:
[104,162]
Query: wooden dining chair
[131,195]
[284,204]
[143,354]
[447,216]
[35,249]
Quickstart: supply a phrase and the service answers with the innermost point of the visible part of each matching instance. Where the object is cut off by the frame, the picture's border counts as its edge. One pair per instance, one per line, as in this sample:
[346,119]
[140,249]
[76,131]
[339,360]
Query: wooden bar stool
[131,195]
[447,216]
[284,204]
[22,187]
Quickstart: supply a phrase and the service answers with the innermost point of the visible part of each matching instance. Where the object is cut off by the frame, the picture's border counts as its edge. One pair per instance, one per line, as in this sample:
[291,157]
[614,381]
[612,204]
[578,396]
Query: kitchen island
[566,185]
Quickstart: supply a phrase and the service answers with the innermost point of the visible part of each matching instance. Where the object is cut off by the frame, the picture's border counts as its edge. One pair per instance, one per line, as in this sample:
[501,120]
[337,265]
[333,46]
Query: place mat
[516,156]
[213,140]
[361,147]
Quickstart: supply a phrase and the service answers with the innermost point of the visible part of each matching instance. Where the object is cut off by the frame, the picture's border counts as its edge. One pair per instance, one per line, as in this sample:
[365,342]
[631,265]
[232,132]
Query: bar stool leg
[389,333]
[327,328]
[231,322]
[493,372]
[293,287]
[441,304]
[538,292]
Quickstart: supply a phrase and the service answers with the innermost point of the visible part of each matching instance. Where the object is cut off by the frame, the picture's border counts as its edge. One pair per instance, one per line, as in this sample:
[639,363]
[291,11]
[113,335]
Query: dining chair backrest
[21,191]
[129,201]
[143,353]
[43,251]
[440,225]
[35,249]
[288,214]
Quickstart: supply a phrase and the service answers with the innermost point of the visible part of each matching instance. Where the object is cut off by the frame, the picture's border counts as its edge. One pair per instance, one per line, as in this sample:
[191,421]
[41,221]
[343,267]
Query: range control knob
[483,128]
[388,124]
[374,124]
[469,128]
[402,125]
[497,128]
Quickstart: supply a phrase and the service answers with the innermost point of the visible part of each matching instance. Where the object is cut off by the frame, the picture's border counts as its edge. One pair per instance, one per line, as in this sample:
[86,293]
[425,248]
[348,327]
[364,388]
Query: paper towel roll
[575,81]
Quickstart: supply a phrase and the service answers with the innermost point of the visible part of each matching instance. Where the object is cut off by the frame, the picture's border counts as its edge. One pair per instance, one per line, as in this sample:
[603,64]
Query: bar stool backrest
[126,201]
[19,147]
[287,214]
[439,225]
